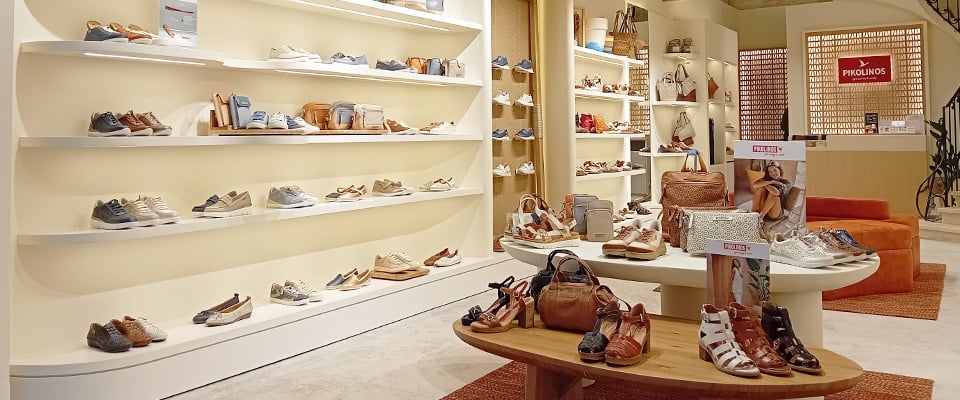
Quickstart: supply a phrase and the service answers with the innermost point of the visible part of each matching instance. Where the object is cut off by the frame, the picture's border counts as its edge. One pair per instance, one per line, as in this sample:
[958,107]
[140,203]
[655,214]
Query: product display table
[554,369]
[682,280]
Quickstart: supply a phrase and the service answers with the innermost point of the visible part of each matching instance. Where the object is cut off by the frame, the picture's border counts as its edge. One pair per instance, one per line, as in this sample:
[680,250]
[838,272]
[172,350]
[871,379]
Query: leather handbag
[586,123]
[543,278]
[683,129]
[221,110]
[368,117]
[575,207]
[453,68]
[341,115]
[569,305]
[667,88]
[316,114]
[712,86]
[678,237]
[434,66]
[418,63]
[240,111]
[599,218]
[735,225]
[686,84]
[690,188]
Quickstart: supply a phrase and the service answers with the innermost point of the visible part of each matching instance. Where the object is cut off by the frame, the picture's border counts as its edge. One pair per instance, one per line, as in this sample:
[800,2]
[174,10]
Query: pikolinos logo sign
[869,69]
[767,150]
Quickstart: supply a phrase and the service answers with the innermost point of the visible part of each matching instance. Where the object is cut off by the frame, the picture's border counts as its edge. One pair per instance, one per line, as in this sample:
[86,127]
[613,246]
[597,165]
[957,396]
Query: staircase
[949,10]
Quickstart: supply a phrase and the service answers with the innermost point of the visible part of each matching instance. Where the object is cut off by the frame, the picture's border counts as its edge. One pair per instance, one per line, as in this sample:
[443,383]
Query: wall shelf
[658,155]
[586,54]
[187,224]
[675,103]
[680,56]
[620,136]
[380,14]
[605,175]
[184,141]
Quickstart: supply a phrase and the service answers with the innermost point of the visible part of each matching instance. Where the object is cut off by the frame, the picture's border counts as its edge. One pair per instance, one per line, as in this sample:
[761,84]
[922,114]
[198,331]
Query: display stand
[403,276]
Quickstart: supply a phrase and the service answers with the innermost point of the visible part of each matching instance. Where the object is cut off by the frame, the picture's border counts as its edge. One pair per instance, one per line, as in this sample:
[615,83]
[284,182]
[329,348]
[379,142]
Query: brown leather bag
[689,188]
[570,305]
[418,63]
[316,114]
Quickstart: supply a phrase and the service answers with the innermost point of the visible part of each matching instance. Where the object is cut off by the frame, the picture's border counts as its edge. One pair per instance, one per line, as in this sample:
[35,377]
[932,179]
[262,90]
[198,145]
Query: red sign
[868,69]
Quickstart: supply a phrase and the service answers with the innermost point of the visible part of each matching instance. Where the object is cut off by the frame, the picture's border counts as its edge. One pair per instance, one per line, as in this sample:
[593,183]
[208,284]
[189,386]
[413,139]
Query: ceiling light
[369,15]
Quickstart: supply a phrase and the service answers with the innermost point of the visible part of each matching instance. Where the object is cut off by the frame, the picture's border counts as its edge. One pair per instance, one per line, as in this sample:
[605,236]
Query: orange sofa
[896,237]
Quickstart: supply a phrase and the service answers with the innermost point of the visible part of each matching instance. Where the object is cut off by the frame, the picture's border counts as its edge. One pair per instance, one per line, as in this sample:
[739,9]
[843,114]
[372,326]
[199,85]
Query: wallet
[221,110]
[240,110]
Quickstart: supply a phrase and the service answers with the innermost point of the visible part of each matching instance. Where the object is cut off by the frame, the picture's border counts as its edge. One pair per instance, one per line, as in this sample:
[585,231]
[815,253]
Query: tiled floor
[420,358]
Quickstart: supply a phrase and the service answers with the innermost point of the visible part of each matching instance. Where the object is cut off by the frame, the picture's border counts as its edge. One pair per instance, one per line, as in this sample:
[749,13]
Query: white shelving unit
[620,136]
[188,141]
[608,175]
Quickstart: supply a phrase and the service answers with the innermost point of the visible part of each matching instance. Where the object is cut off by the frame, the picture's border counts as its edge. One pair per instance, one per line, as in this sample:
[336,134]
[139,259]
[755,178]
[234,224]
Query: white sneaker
[503,98]
[502,170]
[156,204]
[312,57]
[525,100]
[439,185]
[445,128]
[277,121]
[795,252]
[287,53]
[526,169]
[300,123]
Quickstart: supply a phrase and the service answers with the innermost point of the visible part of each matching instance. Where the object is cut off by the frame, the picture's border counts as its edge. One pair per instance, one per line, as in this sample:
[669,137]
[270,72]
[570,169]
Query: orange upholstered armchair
[896,237]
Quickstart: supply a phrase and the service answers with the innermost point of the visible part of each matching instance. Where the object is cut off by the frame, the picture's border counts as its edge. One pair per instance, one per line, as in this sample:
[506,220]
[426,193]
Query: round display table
[683,280]
[555,371]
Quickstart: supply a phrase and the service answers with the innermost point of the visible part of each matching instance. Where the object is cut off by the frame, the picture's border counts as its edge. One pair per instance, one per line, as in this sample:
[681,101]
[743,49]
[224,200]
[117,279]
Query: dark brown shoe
[131,330]
[497,247]
[753,340]
[137,128]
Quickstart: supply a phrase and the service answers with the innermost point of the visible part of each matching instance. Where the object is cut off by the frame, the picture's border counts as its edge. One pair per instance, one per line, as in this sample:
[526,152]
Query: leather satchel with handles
[569,305]
[316,114]
[686,84]
[690,188]
[543,278]
[418,63]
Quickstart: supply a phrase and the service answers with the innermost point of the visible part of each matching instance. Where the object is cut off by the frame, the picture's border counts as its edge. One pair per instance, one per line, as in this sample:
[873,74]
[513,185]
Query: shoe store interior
[480,199]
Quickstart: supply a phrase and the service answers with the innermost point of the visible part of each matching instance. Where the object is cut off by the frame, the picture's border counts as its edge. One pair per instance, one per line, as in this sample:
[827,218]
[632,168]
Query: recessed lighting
[370,15]
[137,58]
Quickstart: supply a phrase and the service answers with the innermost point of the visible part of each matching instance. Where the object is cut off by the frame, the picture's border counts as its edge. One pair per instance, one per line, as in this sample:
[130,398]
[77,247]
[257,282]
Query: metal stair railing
[949,10]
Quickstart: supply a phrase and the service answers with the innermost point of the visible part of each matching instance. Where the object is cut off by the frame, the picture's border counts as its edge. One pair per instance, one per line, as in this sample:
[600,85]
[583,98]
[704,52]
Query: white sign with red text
[770,150]
[759,251]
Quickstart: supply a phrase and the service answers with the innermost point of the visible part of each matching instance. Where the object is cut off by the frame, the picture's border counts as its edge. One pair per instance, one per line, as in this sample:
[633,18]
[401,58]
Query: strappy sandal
[499,319]
[594,344]
[753,341]
[632,339]
[581,171]
[502,295]
[719,345]
[550,233]
[349,193]
[627,214]
[606,168]
[591,167]
[776,323]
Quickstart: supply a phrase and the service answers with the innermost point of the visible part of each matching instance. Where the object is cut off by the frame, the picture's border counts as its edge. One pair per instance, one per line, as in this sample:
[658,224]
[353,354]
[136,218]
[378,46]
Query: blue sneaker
[501,134]
[500,63]
[525,66]
[106,124]
[100,33]
[524,134]
[258,120]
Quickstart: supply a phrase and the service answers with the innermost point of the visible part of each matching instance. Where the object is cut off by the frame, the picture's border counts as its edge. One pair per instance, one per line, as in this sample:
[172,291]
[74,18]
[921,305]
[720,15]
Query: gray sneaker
[111,215]
[287,198]
[287,296]
[353,61]
[394,65]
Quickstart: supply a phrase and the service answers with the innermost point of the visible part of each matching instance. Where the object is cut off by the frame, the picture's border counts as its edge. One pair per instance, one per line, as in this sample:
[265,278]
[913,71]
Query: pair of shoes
[523,134]
[499,318]
[228,312]
[719,345]
[524,66]
[349,193]
[439,185]
[351,280]
[502,296]
[440,128]
[348,60]
[444,258]
[389,188]
[754,342]
[526,169]
[115,32]
[812,250]
[548,233]
[117,336]
[293,293]
[396,66]
[635,242]
[776,324]
[395,263]
[623,165]
[503,98]
[501,171]
[287,53]
[260,120]
[620,338]
[593,84]
[591,167]
[229,205]
[128,124]
[289,197]
[122,214]
[401,128]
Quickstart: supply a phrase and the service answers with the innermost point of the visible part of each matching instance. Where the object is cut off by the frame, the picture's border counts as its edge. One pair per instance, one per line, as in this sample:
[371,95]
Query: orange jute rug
[922,303]
[507,383]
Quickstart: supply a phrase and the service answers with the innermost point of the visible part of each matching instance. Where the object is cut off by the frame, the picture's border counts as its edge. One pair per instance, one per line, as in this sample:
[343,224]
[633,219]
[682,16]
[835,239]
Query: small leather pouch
[221,110]
[453,68]
[418,63]
[434,66]
[368,117]
[599,220]
[240,110]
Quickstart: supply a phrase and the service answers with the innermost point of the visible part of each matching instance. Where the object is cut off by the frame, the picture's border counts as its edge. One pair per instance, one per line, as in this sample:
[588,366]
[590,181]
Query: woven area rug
[507,383]
[922,303]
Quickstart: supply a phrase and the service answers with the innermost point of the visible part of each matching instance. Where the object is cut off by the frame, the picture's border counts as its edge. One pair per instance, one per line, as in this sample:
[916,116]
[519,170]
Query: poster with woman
[738,272]
[770,178]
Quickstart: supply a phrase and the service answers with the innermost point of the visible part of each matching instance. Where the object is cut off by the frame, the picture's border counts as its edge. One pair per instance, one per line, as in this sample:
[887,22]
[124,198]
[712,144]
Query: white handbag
[683,129]
[686,82]
[667,88]
[738,226]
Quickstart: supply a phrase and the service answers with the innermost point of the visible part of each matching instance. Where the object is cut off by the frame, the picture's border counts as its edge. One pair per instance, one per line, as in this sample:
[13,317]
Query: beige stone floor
[420,358]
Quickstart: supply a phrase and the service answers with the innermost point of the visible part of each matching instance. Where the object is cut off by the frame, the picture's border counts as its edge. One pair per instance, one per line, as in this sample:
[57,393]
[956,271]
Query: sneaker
[839,255]
[287,296]
[500,63]
[388,188]
[525,66]
[312,57]
[277,121]
[524,134]
[132,37]
[156,204]
[411,263]
[106,124]
[795,252]
[618,245]
[502,98]
[301,124]
[150,120]
[156,334]
[439,185]
[111,215]
[845,237]
[230,206]
[401,128]
[394,65]
[287,53]
[449,260]
[139,210]
[100,33]
[210,201]
[312,295]
[286,198]
[137,128]
[526,169]
[345,59]
[502,170]
[525,100]
[501,134]
[107,338]
[444,128]
[299,192]
[649,245]
[391,264]
[258,120]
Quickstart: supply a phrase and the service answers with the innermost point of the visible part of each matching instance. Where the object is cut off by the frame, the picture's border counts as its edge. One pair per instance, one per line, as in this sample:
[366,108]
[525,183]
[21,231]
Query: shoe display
[401,128]
[500,63]
[277,121]
[753,341]
[287,296]
[258,120]
[432,259]
[502,98]
[111,215]
[526,169]
[107,338]
[106,124]
[815,241]
[501,134]
[131,330]
[165,214]
[202,316]
[132,37]
[394,65]
[525,66]
[392,264]
[831,240]
[649,245]
[388,188]
[449,260]
[439,185]
[234,313]
[719,345]
[348,60]
[350,193]
[524,134]
[501,171]
[357,280]
[548,233]
[139,210]
[299,123]
[230,206]
[593,346]
[210,201]
[796,252]
[137,128]
[500,319]
[287,53]
[440,128]
[100,33]
[502,296]
[156,334]
[632,338]
[618,245]
[284,197]
[525,100]
[844,236]
[312,294]
[151,121]
[776,323]
[338,280]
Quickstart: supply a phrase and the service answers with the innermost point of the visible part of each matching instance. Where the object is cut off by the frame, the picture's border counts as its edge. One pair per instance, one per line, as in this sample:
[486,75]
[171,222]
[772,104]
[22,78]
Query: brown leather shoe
[132,331]
[133,37]
[137,128]
[433,259]
[497,247]
[753,340]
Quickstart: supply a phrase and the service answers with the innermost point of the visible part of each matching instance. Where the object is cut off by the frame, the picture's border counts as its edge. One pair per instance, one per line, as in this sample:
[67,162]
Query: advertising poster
[180,16]
[738,272]
[770,178]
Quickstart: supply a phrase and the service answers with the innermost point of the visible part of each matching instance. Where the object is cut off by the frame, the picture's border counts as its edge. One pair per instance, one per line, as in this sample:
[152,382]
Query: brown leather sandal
[753,341]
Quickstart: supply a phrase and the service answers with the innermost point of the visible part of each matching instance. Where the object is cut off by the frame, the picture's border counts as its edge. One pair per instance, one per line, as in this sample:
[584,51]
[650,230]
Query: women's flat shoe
[107,338]
[779,330]
[632,338]
[357,281]
[719,345]
[156,334]
[202,316]
[430,261]
[753,340]
[234,313]
[338,280]
[593,346]
[519,307]
[449,260]
[131,330]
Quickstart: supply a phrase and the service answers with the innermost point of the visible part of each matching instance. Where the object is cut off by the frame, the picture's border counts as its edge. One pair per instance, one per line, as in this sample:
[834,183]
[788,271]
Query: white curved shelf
[79,359]
[680,56]
[380,14]
[725,62]
[591,94]
[675,103]
[658,155]
[259,215]
[181,141]
[610,135]
[586,54]
[606,175]
[203,58]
